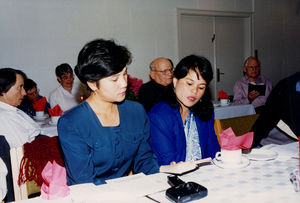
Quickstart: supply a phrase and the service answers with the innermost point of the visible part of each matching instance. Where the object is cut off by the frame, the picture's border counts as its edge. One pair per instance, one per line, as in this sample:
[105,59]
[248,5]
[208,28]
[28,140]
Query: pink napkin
[56,111]
[223,95]
[40,104]
[229,141]
[54,182]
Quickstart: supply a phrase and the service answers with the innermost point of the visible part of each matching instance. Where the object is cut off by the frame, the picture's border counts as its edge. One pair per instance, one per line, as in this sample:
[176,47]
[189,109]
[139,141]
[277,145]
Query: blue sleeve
[145,161]
[77,154]
[162,137]
[212,143]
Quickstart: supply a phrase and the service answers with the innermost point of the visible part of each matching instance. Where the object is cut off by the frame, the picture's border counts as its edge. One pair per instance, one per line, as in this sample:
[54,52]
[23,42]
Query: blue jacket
[94,153]
[168,137]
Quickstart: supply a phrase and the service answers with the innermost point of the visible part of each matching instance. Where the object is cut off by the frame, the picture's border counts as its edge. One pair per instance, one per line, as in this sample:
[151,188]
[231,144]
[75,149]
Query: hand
[252,95]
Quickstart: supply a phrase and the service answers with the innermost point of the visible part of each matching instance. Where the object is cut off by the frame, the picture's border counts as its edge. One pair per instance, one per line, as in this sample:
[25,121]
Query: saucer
[245,162]
[261,155]
[224,104]
[52,123]
[40,118]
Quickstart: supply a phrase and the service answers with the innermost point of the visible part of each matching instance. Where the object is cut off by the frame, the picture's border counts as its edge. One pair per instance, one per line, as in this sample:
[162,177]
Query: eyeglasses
[33,93]
[253,67]
[164,71]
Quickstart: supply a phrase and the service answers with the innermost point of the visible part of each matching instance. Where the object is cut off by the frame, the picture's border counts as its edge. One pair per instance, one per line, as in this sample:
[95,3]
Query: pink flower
[134,84]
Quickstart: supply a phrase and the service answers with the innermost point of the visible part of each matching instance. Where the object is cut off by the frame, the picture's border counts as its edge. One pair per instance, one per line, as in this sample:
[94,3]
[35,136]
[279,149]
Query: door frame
[197,12]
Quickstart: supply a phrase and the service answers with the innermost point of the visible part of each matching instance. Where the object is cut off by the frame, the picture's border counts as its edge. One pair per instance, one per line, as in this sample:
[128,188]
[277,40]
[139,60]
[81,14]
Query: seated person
[66,95]
[161,74]
[282,104]
[251,74]
[182,126]
[104,136]
[32,95]
[17,127]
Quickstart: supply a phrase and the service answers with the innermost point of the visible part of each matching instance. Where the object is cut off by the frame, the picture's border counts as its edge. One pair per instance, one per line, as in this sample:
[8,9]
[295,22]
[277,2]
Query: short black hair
[8,78]
[204,107]
[101,58]
[29,84]
[63,69]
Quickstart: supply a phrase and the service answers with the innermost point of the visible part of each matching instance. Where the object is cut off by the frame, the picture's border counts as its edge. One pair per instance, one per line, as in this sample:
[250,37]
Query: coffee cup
[39,113]
[224,102]
[54,119]
[229,156]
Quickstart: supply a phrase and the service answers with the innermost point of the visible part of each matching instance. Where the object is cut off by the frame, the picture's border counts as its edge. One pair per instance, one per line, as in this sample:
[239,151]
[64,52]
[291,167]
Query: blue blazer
[94,153]
[168,137]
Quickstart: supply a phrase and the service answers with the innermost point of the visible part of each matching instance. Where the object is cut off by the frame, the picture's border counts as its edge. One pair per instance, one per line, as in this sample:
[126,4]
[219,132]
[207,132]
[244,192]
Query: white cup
[39,113]
[229,156]
[54,119]
[224,102]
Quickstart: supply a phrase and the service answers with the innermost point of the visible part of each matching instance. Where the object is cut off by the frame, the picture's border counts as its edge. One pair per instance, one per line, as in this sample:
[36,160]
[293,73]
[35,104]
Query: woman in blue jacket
[104,137]
[182,126]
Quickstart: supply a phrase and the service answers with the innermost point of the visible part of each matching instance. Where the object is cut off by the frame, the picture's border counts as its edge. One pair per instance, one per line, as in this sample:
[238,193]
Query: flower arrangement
[133,88]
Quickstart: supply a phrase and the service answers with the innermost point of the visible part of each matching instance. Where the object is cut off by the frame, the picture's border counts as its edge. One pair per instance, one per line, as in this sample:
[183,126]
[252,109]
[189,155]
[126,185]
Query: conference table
[262,179]
[233,110]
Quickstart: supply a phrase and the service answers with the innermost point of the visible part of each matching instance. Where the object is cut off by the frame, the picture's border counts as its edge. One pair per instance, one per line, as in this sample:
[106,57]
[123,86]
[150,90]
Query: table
[261,181]
[47,128]
[233,110]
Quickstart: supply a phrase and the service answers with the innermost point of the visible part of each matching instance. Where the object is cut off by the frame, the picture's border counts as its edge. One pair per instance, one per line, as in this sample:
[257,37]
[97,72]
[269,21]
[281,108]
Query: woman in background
[182,126]
[104,136]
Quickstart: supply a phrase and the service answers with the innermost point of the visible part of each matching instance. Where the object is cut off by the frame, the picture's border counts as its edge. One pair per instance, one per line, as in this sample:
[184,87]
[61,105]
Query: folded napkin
[54,182]
[223,95]
[56,111]
[229,141]
[40,104]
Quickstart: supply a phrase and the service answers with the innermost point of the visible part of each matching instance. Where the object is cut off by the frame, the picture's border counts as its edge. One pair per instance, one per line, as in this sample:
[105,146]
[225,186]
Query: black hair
[99,59]
[8,78]
[63,69]
[204,107]
[29,84]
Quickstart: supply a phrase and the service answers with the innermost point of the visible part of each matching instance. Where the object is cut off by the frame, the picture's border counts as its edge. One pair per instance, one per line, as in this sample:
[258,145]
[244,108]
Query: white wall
[38,35]
[277,37]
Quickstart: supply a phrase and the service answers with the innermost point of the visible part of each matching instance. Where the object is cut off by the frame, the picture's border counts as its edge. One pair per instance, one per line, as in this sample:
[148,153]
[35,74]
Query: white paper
[182,167]
[285,128]
[151,184]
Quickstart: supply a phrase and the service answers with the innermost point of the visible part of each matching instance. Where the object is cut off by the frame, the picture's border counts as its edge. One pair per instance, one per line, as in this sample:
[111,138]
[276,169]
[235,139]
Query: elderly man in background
[161,74]
[66,95]
[251,74]
[16,126]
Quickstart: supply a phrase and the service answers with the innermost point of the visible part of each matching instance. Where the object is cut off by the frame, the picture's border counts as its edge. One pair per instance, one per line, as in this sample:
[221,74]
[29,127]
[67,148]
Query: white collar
[6,106]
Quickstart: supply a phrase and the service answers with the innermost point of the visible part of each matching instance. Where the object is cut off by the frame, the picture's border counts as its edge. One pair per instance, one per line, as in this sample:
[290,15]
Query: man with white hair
[161,74]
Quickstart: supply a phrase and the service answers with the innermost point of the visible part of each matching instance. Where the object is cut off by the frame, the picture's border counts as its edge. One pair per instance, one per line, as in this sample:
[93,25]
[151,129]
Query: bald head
[161,71]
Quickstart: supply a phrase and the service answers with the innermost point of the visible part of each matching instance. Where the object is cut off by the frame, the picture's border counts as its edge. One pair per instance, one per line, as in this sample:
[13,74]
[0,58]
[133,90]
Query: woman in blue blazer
[182,126]
[105,137]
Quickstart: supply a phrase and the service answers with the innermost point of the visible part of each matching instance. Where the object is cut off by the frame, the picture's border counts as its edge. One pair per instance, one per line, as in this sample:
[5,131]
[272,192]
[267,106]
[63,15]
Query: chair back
[28,162]
[240,125]
[23,191]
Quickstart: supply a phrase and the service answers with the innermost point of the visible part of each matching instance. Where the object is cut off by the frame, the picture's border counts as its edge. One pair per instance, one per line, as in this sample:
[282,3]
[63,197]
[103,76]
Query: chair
[36,155]
[240,125]
[23,191]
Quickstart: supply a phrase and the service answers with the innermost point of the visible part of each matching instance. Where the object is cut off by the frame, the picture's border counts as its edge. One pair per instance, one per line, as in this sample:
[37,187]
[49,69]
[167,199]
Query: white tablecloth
[261,181]
[233,110]
[47,128]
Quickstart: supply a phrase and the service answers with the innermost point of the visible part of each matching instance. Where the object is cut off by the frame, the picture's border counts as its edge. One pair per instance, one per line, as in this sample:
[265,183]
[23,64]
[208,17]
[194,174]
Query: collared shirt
[17,127]
[64,99]
[240,91]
